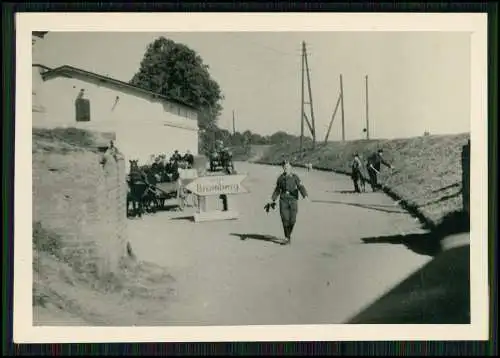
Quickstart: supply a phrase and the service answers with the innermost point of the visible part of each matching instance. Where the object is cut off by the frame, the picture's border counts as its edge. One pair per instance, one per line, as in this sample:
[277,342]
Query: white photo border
[473,23]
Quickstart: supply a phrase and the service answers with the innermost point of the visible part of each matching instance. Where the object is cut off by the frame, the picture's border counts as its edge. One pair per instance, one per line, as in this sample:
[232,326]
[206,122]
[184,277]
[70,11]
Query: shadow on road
[368,191]
[268,238]
[428,243]
[187,218]
[424,244]
[170,207]
[438,293]
[364,206]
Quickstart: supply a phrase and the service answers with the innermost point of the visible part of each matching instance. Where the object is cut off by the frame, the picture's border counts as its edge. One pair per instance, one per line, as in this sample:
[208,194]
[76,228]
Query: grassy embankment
[427,178]
[252,153]
[67,286]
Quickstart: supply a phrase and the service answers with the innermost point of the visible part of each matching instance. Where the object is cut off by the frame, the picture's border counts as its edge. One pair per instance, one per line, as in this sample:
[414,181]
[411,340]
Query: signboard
[188,174]
[217,185]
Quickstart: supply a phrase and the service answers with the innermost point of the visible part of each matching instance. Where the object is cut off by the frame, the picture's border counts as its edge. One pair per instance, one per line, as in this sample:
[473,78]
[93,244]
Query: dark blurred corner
[438,293]
[428,243]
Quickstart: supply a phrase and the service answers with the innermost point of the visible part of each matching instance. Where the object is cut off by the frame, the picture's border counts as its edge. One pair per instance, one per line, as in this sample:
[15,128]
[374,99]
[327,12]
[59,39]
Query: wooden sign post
[216,189]
[186,176]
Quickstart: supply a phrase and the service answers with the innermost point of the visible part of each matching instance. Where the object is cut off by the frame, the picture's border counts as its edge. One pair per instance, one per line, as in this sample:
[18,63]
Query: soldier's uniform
[356,174]
[373,167]
[176,157]
[189,158]
[287,189]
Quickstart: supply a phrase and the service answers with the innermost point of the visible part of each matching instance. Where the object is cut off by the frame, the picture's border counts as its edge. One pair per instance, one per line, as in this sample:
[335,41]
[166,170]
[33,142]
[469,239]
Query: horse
[138,186]
[227,162]
[214,158]
[151,196]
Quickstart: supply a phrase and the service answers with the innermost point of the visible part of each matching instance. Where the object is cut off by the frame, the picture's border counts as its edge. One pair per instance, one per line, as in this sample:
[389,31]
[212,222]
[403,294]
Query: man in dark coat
[356,172]
[373,168]
[189,158]
[176,157]
[287,189]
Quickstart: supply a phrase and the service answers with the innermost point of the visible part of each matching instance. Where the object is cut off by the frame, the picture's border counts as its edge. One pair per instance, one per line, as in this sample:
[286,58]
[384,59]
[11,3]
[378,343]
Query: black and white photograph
[251,178]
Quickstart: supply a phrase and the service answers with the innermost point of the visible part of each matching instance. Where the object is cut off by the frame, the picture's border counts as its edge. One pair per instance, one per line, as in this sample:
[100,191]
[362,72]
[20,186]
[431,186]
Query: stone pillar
[121,203]
[37,106]
[113,203]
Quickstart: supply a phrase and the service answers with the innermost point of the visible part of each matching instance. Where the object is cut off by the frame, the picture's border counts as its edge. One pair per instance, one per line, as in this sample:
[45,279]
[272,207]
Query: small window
[82,109]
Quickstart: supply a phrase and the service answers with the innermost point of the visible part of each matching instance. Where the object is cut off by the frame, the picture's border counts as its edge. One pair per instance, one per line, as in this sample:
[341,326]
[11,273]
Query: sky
[417,81]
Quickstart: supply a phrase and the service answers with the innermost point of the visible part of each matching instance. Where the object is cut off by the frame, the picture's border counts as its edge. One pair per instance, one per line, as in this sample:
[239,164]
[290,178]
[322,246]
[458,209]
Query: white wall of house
[143,125]
[36,105]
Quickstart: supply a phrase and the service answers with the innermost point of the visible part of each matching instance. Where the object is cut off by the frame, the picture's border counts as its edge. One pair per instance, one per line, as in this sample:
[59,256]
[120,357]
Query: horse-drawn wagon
[152,187]
[221,159]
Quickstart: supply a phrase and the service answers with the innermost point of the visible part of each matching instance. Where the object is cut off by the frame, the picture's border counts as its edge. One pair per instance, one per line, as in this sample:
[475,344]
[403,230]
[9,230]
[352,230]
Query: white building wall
[36,105]
[143,126]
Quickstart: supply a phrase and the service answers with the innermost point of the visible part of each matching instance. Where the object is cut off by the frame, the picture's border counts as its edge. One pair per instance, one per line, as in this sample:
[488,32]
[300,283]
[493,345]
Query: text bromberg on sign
[217,185]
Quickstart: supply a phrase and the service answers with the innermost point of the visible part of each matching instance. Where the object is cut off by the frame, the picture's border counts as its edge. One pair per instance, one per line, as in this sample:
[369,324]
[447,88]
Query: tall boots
[288,228]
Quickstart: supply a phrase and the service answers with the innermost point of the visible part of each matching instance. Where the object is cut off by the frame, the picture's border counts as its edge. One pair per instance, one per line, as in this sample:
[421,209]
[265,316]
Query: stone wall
[81,196]
[111,194]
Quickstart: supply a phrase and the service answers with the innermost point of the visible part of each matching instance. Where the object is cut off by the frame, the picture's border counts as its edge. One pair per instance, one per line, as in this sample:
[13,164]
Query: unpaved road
[326,276]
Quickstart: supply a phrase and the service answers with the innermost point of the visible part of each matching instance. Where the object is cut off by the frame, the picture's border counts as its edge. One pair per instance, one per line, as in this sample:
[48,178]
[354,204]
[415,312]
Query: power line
[295,54]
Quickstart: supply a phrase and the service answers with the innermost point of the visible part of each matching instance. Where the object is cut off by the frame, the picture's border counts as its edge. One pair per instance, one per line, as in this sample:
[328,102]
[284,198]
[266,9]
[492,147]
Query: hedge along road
[228,273]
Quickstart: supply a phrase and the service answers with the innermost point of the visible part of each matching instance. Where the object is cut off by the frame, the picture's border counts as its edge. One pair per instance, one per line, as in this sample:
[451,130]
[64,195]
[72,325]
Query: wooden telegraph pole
[302,98]
[333,118]
[367,112]
[342,107]
[234,126]
[303,116]
[312,124]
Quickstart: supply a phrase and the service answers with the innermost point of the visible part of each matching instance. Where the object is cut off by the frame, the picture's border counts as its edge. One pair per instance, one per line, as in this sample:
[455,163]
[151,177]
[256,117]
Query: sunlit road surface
[326,276]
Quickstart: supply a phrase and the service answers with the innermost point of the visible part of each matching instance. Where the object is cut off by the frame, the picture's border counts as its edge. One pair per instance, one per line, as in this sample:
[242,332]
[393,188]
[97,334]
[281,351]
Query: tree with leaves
[174,70]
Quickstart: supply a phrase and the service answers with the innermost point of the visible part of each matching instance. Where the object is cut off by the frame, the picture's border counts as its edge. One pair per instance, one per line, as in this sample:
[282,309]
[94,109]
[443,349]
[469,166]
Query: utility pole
[313,130]
[342,108]
[331,120]
[302,97]
[367,112]
[303,117]
[234,126]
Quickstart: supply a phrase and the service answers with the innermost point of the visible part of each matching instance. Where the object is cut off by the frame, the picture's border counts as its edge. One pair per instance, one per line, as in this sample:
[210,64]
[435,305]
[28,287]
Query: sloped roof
[68,71]
[40,34]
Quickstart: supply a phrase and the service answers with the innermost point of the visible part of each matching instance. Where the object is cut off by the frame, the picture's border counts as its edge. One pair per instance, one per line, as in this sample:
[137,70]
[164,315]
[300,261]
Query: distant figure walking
[357,174]
[373,168]
[287,189]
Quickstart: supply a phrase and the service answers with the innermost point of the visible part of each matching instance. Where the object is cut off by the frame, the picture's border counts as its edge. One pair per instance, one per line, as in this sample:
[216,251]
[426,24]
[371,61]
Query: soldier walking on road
[373,167]
[356,173]
[287,189]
